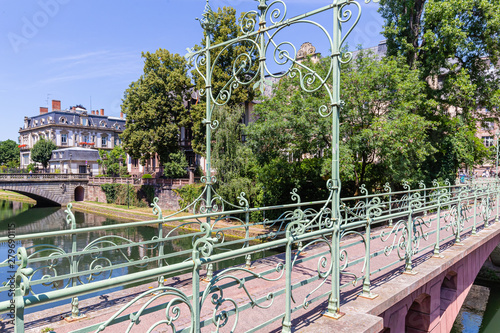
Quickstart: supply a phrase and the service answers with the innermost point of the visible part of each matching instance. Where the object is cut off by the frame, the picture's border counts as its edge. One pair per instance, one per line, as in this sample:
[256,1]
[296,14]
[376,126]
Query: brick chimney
[43,110]
[102,112]
[121,115]
[56,105]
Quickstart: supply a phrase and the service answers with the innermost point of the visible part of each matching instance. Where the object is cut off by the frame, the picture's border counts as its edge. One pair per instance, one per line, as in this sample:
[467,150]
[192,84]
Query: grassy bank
[12,196]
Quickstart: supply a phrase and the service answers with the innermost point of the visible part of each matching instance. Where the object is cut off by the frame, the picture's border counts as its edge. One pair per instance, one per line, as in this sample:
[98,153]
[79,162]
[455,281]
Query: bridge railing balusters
[375,211]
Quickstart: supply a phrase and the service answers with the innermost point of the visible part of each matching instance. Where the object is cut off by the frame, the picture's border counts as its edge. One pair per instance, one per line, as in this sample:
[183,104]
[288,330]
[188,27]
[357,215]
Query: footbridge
[395,261]
[47,189]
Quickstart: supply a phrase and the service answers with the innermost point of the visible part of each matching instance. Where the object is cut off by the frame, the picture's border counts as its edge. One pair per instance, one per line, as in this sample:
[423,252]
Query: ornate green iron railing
[329,246]
[425,222]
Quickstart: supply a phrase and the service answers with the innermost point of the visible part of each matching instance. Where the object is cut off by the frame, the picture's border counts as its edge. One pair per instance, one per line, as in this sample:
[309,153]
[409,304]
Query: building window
[63,120]
[64,139]
[86,138]
[26,159]
[104,141]
[102,123]
[488,125]
[85,121]
[487,141]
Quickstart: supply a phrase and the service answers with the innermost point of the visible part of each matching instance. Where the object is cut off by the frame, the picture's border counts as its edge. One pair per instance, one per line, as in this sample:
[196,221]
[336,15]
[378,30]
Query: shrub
[110,190]
[188,194]
[148,191]
[146,176]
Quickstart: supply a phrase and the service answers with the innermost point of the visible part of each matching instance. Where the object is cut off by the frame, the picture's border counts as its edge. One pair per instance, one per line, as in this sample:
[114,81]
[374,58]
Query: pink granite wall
[434,306]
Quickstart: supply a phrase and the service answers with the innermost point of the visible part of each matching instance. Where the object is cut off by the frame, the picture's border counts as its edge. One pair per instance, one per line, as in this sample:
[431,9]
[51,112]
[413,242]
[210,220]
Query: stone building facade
[73,127]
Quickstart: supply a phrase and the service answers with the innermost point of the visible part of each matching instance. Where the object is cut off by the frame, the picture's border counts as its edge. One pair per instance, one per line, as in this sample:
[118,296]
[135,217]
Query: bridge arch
[42,198]
[79,193]
[448,291]
[418,317]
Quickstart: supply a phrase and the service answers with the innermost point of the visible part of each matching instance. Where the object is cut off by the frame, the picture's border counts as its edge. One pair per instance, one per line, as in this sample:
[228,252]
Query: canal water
[28,219]
[474,320]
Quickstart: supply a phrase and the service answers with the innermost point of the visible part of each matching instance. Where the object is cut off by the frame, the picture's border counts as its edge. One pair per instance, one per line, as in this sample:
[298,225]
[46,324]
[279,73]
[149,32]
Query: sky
[88,52]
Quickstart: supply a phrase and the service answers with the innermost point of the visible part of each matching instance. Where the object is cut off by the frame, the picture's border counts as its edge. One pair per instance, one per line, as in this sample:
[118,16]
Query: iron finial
[208,20]
[262,4]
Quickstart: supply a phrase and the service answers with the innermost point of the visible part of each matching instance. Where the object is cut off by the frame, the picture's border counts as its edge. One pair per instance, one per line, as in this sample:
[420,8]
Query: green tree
[385,137]
[379,130]
[232,67]
[156,107]
[113,161]
[456,46]
[177,167]
[233,160]
[9,153]
[42,151]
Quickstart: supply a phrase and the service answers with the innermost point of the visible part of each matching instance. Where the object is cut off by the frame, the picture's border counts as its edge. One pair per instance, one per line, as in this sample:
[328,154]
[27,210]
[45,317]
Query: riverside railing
[43,176]
[424,222]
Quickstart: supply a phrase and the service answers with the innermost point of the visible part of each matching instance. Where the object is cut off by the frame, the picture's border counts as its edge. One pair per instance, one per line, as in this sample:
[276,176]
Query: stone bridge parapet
[47,189]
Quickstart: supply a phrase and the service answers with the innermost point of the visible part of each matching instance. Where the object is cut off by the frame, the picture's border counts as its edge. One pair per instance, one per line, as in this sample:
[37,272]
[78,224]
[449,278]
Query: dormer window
[63,120]
[85,121]
[102,123]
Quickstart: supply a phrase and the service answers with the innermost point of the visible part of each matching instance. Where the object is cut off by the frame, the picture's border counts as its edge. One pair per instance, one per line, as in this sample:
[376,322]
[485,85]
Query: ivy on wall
[123,194]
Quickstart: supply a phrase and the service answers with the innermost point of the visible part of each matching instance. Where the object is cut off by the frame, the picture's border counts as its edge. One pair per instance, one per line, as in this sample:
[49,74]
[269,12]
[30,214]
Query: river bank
[136,214]
[12,196]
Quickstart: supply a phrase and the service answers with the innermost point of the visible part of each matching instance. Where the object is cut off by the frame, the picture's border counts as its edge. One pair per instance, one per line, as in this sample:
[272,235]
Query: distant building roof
[77,154]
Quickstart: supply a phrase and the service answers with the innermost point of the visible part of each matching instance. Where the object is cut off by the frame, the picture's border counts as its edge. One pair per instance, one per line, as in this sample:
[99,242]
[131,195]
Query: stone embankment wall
[168,199]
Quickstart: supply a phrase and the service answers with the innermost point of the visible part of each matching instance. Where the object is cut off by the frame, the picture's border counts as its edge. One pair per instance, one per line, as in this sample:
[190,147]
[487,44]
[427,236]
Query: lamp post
[128,193]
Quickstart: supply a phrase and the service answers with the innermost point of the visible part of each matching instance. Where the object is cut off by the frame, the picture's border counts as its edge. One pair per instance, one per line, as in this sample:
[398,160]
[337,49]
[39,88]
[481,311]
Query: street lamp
[128,193]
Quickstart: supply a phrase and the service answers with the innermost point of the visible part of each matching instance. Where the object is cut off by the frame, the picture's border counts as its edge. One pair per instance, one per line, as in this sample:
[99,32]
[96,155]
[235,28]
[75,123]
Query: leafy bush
[146,176]
[31,167]
[177,165]
[188,194]
[125,194]
[149,192]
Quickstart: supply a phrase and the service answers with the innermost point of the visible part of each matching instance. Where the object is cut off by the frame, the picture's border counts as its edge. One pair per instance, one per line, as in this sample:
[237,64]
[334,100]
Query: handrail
[429,217]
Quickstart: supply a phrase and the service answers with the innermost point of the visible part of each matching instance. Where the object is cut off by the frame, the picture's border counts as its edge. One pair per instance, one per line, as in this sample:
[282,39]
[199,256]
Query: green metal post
[333,309]
[474,230]
[459,220]
[196,291]
[409,244]
[161,279]
[366,293]
[496,179]
[437,246]
[287,320]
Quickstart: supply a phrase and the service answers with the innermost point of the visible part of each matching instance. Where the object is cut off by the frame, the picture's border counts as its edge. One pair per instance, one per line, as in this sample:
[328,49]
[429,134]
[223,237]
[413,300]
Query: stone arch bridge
[47,189]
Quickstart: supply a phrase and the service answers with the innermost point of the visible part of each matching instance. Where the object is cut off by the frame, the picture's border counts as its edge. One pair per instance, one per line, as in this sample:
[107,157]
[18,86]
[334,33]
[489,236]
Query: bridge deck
[362,315]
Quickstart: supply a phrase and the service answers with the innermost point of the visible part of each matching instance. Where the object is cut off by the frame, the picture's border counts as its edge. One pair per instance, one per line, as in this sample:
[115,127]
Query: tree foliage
[383,139]
[113,161]
[233,160]
[42,151]
[177,166]
[156,107]
[237,60]
[455,45]
[9,153]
